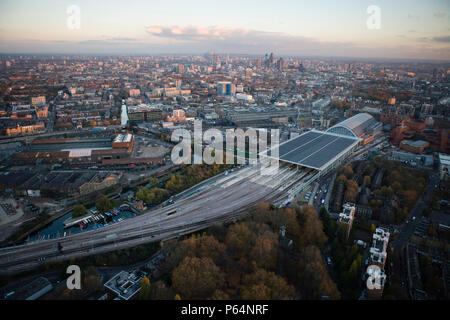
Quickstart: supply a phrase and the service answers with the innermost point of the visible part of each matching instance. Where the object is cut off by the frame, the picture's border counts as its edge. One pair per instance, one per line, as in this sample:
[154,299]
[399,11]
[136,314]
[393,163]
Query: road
[225,198]
[407,229]
[324,190]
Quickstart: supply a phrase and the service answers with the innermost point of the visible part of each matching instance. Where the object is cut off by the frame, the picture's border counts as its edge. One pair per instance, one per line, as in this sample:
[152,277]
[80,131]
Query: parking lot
[149,148]
[9,211]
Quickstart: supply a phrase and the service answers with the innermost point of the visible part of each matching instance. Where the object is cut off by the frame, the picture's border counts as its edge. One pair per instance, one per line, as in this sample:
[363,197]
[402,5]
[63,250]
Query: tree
[264,252]
[275,218]
[159,291]
[311,228]
[220,295]
[344,104]
[144,294]
[264,285]
[153,196]
[312,277]
[367,181]
[90,283]
[153,181]
[197,278]
[258,291]
[342,178]
[410,197]
[203,246]
[78,211]
[427,212]
[239,239]
[104,204]
[351,191]
[348,171]
[329,226]
[432,232]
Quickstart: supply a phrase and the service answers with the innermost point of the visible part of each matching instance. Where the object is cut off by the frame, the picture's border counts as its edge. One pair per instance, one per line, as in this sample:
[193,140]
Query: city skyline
[408,30]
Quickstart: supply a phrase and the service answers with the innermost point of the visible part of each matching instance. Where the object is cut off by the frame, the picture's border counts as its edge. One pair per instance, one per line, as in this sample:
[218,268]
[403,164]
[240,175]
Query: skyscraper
[226,88]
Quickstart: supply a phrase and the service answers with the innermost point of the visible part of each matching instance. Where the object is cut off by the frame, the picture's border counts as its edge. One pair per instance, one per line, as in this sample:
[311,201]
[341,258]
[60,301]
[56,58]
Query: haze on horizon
[410,29]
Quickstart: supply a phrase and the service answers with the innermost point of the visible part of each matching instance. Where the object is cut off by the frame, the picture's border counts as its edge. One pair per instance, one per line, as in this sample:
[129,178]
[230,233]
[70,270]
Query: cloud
[196,33]
[241,39]
[439,14]
[442,39]
[245,41]
[197,39]
[122,39]
[109,41]
[93,42]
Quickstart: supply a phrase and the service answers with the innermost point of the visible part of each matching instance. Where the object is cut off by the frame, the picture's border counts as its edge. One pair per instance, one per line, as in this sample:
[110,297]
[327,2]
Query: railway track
[224,199]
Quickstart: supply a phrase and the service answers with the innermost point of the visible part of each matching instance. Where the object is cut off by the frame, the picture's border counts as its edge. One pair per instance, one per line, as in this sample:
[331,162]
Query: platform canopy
[315,149]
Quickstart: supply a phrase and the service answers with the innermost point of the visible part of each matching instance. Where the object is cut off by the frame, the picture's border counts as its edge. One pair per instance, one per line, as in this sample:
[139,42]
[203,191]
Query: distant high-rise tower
[226,88]
[271,60]
[179,68]
[124,116]
[280,64]
[258,63]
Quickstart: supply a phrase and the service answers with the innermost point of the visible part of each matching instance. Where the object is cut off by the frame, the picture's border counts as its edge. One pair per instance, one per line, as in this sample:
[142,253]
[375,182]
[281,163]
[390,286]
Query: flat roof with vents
[123,138]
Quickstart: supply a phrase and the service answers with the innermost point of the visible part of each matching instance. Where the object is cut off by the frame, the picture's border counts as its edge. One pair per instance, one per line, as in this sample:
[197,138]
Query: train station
[315,153]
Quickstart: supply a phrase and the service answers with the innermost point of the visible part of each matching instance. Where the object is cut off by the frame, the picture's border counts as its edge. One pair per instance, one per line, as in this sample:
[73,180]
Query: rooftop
[379,245]
[315,149]
[123,138]
[444,159]
[355,126]
[416,144]
[125,285]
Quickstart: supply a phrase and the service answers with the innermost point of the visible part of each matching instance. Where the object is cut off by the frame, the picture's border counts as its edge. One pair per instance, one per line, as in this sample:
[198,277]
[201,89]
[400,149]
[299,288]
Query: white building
[124,115]
[376,278]
[347,216]
[378,250]
[444,166]
[243,96]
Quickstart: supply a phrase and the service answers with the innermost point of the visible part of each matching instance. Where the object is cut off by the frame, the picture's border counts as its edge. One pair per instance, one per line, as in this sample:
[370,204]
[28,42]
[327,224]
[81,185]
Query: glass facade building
[356,126]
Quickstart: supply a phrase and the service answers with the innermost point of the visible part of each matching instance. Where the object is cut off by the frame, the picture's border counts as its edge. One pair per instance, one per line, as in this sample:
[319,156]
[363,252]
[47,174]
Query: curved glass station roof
[355,126]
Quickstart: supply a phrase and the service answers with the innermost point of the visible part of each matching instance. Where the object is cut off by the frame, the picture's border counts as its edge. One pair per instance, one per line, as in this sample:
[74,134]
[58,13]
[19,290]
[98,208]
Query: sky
[408,29]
